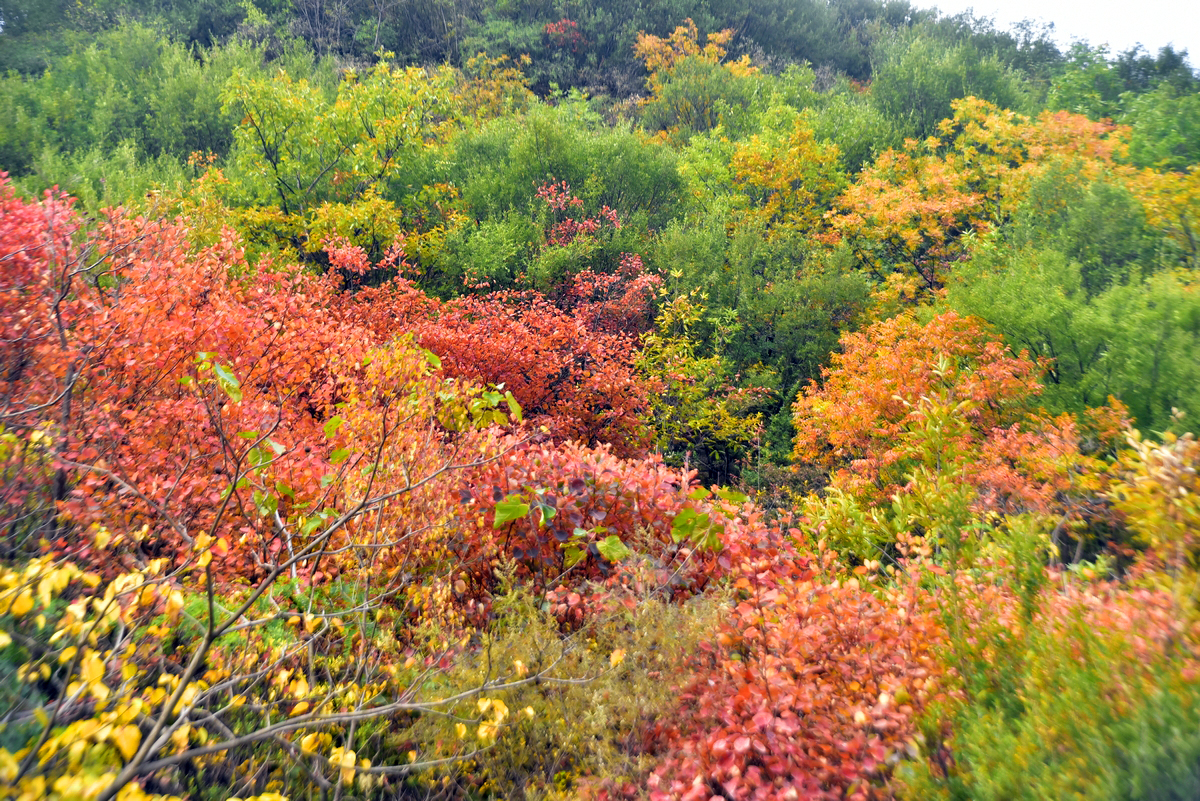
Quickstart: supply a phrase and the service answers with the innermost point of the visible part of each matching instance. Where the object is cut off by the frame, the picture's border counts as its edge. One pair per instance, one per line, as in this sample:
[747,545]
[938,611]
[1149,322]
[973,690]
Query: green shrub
[1085,695]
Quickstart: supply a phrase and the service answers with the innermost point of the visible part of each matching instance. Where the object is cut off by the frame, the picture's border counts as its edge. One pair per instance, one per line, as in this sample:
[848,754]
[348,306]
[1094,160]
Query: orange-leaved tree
[911,413]
[692,90]
[910,209]
[854,422]
[662,56]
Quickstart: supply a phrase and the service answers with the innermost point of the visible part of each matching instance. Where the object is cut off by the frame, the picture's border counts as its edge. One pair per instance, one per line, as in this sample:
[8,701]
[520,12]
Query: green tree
[127,110]
[310,167]
[916,76]
[500,166]
[698,416]
[1138,340]
[1166,128]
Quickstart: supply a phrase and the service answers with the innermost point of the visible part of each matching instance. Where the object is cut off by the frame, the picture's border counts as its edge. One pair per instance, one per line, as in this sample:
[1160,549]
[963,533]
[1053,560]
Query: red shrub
[578,383]
[810,691]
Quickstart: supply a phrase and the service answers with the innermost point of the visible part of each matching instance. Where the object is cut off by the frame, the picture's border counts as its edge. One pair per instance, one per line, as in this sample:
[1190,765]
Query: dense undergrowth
[787,430]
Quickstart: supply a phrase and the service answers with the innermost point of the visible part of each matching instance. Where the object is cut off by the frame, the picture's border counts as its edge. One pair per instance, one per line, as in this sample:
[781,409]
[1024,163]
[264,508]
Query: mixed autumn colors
[701,414]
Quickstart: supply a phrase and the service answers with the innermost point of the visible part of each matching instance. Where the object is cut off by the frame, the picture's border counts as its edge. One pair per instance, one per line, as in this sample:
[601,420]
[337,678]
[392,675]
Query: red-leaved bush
[811,690]
[579,383]
[594,530]
[160,378]
[162,373]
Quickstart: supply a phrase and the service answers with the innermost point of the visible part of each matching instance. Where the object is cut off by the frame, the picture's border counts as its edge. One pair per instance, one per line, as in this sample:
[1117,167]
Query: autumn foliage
[855,422]
[912,207]
[292,347]
[811,690]
[449,443]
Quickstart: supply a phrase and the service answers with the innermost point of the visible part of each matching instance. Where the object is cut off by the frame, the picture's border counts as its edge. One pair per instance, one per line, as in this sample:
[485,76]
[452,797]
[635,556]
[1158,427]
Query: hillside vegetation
[651,401]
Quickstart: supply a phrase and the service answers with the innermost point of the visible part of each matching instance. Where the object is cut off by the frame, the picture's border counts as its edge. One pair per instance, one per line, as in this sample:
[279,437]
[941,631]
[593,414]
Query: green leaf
[265,503]
[684,524]
[733,496]
[340,455]
[248,434]
[285,490]
[698,494]
[432,358]
[310,525]
[712,542]
[574,555]
[332,425]
[257,457]
[612,549]
[228,382]
[512,508]
[514,408]
[275,446]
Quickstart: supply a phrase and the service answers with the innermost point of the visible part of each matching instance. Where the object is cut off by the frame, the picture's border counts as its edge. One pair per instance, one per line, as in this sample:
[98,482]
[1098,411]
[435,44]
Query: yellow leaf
[91,668]
[75,752]
[344,760]
[174,603]
[180,737]
[300,709]
[500,710]
[23,604]
[9,767]
[204,560]
[617,657]
[5,640]
[127,740]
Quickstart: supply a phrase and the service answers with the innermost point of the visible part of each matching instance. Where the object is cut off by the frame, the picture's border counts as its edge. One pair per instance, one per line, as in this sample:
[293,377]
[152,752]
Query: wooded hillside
[648,401]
